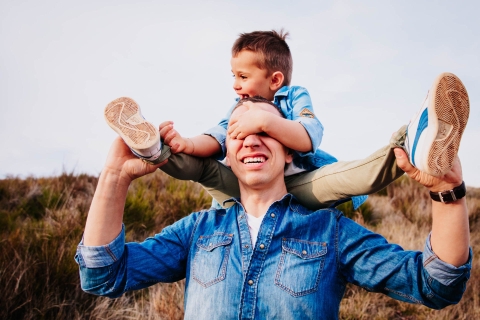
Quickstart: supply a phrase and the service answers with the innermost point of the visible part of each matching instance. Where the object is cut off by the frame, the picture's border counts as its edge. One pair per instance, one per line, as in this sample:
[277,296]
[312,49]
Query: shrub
[42,220]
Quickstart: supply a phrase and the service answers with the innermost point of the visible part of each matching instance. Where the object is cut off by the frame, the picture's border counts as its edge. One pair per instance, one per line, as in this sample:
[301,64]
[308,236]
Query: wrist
[115,177]
[191,146]
[450,195]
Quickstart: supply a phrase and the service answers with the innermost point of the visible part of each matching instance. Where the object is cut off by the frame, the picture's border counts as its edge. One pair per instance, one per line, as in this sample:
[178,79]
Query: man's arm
[437,277]
[104,220]
[450,237]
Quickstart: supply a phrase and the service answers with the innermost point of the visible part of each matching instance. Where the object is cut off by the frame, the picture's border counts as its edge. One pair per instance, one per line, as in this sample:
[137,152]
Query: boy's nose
[236,85]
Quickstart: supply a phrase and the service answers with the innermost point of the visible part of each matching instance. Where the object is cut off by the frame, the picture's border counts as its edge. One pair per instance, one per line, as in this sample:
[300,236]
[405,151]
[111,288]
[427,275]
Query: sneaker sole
[448,112]
[124,117]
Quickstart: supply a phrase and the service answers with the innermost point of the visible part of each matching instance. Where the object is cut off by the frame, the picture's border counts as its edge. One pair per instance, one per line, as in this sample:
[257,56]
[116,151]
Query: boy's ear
[276,81]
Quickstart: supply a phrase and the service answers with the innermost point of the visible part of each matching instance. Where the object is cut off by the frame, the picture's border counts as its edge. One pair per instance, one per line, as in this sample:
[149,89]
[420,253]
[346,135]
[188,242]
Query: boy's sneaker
[123,115]
[434,134]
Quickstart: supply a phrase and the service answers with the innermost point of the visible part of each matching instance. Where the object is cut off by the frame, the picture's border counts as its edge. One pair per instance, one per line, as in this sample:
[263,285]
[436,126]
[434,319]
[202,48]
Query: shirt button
[304,252]
[272,215]
[250,282]
[262,246]
[246,246]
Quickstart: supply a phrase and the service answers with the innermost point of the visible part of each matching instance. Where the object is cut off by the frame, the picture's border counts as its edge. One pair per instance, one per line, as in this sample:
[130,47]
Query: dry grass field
[41,223]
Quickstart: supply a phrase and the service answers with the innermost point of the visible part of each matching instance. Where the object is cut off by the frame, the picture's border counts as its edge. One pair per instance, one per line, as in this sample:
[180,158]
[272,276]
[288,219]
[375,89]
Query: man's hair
[273,50]
[259,99]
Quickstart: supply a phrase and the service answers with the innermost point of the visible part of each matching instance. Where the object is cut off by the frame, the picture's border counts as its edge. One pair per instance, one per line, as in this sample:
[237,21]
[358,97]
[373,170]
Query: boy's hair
[259,99]
[273,50]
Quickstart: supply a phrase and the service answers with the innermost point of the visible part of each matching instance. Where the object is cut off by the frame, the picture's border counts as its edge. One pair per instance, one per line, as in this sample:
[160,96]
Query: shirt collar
[287,200]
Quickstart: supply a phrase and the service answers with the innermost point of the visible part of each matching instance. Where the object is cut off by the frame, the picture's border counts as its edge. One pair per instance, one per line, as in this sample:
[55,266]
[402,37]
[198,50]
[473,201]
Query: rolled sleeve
[101,256]
[443,272]
[315,131]
[219,133]
[296,104]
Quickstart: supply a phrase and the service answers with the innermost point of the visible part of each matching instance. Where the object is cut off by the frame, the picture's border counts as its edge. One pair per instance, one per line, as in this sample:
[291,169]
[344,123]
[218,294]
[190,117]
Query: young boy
[262,66]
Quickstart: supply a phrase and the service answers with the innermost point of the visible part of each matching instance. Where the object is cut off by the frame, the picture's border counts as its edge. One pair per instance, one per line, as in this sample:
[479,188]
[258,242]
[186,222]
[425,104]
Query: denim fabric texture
[298,268]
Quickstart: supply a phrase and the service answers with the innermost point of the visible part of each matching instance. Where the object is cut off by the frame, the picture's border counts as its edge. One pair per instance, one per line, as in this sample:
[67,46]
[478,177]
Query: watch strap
[447,196]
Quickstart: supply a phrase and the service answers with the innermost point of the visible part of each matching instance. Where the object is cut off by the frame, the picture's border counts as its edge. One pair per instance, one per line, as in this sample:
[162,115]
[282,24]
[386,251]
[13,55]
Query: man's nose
[252,141]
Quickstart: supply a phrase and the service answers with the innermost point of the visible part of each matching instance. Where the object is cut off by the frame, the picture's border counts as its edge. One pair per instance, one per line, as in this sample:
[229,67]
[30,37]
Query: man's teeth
[254,160]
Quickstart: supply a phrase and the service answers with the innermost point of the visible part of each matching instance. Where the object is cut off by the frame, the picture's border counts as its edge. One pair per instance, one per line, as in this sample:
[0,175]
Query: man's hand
[104,221]
[450,230]
[122,162]
[171,137]
[450,180]
[251,122]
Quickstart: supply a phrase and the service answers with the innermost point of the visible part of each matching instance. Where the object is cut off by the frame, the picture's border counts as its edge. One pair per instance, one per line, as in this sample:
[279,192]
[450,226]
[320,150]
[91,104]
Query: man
[295,267]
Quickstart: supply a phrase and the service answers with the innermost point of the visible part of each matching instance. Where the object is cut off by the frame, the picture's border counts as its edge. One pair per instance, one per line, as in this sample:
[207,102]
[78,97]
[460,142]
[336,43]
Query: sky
[367,65]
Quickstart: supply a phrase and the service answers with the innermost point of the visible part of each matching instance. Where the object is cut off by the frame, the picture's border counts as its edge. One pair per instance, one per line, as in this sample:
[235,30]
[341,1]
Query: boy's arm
[291,134]
[200,146]
[210,143]
[301,130]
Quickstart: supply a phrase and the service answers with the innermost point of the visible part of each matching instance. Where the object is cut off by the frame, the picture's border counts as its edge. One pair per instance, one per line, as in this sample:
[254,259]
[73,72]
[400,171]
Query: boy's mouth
[244,96]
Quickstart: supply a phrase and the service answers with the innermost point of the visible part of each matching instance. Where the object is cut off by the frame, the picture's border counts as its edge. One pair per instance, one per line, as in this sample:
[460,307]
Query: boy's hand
[171,137]
[251,122]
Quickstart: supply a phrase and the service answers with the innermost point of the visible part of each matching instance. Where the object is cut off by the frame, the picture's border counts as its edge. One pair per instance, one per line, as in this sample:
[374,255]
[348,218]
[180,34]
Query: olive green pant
[314,189]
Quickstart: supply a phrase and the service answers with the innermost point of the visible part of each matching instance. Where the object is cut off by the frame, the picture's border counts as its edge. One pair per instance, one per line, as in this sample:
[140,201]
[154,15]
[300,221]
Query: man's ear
[227,160]
[289,156]
[276,81]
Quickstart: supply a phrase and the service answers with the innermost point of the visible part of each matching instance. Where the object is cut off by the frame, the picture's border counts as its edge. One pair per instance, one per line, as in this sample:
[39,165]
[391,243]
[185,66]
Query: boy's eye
[243,77]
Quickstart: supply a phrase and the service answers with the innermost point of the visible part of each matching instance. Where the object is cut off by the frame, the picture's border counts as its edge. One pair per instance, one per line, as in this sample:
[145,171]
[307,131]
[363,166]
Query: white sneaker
[123,115]
[434,134]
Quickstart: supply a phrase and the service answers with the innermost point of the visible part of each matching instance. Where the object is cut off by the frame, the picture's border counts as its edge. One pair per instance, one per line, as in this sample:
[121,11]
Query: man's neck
[257,202]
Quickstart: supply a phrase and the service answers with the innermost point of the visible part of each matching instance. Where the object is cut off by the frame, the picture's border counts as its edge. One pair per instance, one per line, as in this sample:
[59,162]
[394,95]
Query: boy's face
[250,80]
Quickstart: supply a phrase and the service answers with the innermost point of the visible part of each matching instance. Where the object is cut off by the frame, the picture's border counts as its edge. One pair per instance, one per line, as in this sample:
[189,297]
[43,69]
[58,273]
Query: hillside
[42,220]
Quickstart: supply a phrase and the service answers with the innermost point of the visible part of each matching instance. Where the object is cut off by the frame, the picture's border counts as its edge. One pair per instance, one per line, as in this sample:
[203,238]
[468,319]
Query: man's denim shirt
[298,268]
[296,105]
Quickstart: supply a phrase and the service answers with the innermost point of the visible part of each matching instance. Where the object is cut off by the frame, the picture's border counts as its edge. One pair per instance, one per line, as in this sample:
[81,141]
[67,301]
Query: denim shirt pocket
[211,258]
[300,266]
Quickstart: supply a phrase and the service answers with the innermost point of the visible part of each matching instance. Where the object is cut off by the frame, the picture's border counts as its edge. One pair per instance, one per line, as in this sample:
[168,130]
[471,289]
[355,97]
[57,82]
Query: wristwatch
[447,196]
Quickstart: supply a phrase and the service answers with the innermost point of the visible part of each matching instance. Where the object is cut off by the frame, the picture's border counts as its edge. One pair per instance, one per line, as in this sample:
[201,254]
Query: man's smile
[258,159]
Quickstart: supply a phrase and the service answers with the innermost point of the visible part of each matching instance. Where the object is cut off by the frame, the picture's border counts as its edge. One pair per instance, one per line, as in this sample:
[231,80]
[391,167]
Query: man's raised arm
[104,221]
[450,230]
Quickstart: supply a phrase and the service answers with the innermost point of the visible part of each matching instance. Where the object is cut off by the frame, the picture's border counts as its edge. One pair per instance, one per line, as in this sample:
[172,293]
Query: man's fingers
[402,160]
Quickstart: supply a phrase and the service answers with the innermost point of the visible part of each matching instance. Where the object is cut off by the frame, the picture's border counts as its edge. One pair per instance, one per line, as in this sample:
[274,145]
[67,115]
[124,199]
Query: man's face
[258,161]
[250,80]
